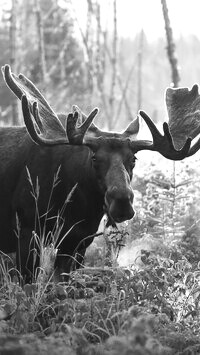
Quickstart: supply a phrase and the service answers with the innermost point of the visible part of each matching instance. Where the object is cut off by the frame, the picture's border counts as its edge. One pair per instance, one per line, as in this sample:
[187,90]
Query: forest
[138,290]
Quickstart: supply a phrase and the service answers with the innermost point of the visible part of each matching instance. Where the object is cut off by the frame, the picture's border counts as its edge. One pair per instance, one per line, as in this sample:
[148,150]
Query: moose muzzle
[119,204]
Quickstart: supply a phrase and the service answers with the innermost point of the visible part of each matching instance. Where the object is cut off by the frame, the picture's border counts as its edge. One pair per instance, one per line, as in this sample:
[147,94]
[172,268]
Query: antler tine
[76,134]
[86,124]
[94,130]
[37,132]
[71,128]
[153,129]
[8,77]
[162,144]
[28,120]
[37,117]
[194,148]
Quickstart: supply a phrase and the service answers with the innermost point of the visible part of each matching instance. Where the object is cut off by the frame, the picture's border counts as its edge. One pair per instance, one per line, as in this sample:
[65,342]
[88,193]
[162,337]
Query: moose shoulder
[98,164]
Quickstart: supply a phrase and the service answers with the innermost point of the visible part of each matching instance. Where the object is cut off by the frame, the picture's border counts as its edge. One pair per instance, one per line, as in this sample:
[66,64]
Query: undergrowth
[149,304]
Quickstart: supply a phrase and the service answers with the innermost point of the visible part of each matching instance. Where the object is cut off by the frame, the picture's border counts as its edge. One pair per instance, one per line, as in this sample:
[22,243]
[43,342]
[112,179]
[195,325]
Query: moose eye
[93,158]
[133,160]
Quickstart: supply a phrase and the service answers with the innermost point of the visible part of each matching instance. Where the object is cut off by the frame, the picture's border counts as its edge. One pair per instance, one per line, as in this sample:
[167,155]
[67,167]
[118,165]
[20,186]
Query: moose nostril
[121,215]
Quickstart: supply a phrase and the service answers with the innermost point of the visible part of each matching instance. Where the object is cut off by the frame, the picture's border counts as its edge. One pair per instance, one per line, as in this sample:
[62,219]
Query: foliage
[153,311]
[147,307]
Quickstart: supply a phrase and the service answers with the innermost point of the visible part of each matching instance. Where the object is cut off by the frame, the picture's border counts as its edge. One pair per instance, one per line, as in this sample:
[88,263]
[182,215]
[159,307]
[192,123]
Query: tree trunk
[114,67]
[13,47]
[171,48]
[89,41]
[41,49]
[139,72]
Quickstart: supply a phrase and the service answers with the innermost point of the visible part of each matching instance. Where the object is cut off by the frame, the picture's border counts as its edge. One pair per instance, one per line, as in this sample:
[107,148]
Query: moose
[96,164]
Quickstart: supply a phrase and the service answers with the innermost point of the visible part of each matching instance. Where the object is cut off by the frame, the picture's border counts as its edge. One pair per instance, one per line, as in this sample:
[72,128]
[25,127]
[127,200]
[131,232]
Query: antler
[44,115]
[34,124]
[161,143]
[44,126]
[183,107]
[94,132]
[76,134]
[36,128]
[43,123]
[86,133]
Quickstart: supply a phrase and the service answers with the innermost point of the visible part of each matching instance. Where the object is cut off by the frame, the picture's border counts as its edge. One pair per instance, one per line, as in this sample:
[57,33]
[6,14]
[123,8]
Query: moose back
[41,162]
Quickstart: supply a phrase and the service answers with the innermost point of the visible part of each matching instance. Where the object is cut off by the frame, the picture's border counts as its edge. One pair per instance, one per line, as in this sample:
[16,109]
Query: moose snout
[119,204]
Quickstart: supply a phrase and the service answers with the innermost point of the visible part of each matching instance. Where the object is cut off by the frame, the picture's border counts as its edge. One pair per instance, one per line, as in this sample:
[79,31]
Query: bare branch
[86,45]
[123,98]
[120,83]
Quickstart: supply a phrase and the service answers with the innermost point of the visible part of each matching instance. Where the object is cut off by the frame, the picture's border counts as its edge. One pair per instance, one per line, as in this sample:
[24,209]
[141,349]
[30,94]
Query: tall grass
[47,242]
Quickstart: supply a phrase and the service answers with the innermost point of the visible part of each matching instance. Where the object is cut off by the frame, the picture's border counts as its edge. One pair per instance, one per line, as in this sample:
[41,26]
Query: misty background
[110,54]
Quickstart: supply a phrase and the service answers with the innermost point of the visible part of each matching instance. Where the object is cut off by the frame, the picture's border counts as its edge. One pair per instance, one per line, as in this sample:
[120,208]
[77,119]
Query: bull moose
[97,162]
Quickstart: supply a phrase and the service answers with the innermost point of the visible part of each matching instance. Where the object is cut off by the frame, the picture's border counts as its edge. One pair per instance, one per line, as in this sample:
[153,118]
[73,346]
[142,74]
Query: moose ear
[132,130]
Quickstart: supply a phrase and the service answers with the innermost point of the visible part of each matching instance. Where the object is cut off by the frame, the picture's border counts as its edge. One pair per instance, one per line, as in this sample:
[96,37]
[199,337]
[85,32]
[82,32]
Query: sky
[134,15]
[147,14]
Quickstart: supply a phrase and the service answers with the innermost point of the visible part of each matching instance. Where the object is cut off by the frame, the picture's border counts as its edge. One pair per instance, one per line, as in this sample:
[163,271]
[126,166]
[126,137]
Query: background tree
[171,48]
[82,63]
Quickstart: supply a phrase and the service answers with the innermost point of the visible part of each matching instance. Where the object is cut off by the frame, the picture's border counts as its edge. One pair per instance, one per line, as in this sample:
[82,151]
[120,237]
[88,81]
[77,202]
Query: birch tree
[41,48]
[171,47]
[13,56]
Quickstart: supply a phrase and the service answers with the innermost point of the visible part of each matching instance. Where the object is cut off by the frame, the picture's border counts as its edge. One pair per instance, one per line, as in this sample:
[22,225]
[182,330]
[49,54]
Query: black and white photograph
[99,177]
